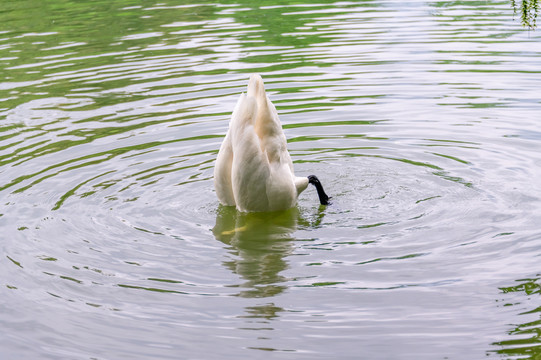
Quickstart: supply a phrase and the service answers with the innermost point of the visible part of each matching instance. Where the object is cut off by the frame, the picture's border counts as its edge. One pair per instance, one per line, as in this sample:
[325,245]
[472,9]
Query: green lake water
[421,118]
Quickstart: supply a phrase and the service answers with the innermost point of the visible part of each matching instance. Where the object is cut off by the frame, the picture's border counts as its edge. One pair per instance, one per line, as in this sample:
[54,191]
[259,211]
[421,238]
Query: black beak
[323,198]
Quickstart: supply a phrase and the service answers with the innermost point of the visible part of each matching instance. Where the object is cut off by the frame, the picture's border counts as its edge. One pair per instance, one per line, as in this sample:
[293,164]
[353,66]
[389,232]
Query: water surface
[420,118]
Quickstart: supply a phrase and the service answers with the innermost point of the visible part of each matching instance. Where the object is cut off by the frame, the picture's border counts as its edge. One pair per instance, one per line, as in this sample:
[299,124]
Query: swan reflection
[259,243]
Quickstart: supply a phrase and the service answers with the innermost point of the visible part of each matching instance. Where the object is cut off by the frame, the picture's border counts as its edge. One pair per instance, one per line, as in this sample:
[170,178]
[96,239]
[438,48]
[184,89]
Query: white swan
[254,171]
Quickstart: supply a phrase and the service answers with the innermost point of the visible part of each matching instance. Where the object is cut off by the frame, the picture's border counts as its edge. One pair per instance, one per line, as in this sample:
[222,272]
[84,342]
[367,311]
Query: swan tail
[267,124]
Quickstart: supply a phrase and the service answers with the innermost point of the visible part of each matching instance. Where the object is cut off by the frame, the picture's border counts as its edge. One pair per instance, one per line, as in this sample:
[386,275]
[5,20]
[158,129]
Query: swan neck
[323,198]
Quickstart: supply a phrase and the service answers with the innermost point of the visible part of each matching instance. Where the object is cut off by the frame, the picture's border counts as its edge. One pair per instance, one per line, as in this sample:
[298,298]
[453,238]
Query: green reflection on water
[525,342]
[84,48]
[50,46]
[152,289]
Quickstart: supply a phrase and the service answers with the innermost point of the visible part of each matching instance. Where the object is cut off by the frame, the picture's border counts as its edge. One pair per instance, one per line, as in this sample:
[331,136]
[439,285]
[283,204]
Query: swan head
[323,198]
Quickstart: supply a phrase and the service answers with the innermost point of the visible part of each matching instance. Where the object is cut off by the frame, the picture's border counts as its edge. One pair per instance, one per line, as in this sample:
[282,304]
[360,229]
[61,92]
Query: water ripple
[419,118]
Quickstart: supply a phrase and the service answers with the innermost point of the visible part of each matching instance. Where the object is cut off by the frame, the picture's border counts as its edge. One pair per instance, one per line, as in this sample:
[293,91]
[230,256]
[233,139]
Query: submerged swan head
[254,171]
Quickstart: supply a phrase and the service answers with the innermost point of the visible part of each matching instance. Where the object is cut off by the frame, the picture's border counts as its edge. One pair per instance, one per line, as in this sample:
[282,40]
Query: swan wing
[224,162]
[222,173]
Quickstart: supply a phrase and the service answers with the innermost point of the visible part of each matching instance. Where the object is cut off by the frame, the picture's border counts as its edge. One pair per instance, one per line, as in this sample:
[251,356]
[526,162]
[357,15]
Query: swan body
[253,170]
